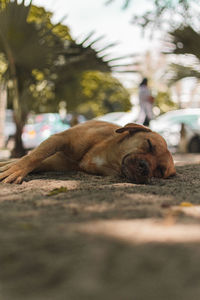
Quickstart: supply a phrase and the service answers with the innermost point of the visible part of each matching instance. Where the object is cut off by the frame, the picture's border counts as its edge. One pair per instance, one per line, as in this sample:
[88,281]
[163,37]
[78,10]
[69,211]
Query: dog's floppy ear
[133,128]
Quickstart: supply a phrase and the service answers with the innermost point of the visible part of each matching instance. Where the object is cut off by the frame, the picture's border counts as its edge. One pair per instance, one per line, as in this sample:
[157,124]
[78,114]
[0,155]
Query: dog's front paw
[14,172]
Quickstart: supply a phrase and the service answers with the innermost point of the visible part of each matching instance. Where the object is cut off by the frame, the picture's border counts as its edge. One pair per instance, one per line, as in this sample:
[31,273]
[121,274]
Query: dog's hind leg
[57,162]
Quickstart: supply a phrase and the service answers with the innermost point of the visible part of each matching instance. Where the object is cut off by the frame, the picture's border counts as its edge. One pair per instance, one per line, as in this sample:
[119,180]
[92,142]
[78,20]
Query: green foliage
[101,93]
[43,63]
[41,59]
[185,40]
[25,47]
[3,65]
[179,72]
[164,102]
[21,41]
[3,4]
[42,18]
[57,191]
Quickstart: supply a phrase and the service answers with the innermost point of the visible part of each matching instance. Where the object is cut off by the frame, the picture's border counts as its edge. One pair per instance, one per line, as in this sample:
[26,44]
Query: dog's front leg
[16,171]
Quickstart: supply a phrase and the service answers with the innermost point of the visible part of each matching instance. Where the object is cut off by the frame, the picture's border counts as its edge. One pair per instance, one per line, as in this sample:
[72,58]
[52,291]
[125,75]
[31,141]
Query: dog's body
[97,147]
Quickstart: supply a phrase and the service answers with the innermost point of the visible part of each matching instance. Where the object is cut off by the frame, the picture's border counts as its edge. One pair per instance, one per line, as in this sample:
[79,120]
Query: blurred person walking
[146,103]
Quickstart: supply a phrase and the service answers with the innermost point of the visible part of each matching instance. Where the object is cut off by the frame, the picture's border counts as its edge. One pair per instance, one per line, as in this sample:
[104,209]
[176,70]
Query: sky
[84,16]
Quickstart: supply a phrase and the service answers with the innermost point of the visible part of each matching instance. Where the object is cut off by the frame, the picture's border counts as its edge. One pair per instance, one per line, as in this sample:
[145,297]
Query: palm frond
[186,40]
[87,37]
[29,46]
[178,72]
[107,47]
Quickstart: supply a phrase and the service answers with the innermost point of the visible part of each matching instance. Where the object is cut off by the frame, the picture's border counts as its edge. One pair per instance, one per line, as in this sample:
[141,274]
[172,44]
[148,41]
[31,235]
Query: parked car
[74,119]
[121,118]
[174,124]
[40,127]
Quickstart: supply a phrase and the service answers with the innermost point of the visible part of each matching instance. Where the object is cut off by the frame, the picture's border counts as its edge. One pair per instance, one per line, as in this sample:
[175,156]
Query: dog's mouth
[136,170]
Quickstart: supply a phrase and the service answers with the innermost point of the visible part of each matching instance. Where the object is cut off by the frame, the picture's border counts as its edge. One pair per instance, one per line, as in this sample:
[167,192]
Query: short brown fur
[97,147]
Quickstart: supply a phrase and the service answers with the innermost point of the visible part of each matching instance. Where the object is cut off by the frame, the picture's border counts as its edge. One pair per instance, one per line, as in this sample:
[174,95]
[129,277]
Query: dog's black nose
[143,167]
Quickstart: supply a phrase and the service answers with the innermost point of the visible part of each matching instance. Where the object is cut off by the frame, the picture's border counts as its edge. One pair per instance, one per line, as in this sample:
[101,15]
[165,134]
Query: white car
[121,118]
[171,124]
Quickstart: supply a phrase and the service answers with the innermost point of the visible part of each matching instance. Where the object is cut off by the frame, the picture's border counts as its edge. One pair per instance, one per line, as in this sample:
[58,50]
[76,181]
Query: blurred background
[65,62]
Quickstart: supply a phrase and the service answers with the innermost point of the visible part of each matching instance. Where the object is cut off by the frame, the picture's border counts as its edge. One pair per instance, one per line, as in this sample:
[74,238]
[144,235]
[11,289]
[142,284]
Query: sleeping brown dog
[97,147]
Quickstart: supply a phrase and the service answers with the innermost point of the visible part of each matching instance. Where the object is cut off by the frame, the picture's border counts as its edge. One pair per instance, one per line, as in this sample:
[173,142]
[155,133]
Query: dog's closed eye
[151,147]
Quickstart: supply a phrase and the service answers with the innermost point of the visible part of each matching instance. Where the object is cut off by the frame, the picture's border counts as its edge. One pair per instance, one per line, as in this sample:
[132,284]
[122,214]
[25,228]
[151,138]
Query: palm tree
[24,48]
[185,40]
[3,103]
[29,44]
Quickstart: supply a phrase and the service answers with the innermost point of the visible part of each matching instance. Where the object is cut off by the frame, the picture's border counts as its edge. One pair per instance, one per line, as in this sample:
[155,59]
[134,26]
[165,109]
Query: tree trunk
[18,150]
[3,104]
[18,116]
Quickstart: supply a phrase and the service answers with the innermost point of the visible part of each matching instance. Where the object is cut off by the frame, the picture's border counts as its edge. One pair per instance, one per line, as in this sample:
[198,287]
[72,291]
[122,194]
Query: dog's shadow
[182,186]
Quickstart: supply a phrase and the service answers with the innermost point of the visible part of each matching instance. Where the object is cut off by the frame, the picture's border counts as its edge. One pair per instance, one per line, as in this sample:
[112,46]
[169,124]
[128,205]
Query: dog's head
[144,154]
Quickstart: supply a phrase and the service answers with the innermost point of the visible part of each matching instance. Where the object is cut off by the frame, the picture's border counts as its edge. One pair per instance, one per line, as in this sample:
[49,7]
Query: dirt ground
[99,238]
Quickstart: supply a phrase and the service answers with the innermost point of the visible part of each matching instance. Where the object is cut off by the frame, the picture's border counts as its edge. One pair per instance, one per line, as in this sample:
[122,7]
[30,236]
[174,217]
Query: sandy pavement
[101,238]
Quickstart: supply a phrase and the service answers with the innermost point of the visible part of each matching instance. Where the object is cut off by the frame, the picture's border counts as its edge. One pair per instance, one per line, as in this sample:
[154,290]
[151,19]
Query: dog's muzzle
[136,170]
